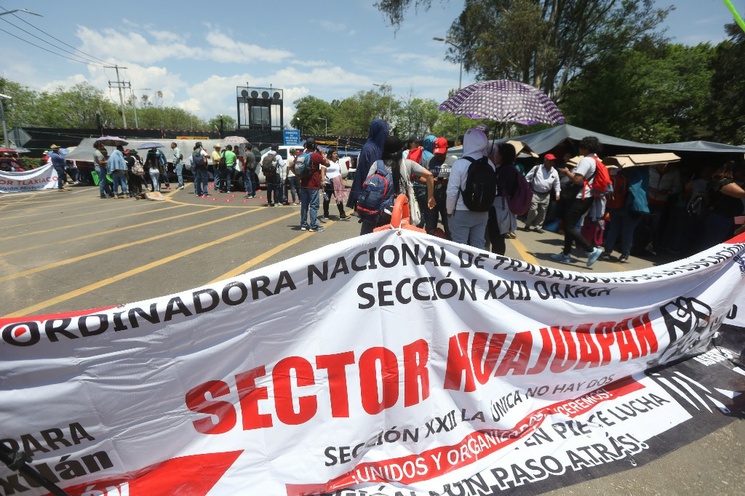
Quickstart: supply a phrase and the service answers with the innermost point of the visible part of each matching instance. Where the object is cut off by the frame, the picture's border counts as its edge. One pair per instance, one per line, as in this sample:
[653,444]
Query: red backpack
[601,184]
[415,155]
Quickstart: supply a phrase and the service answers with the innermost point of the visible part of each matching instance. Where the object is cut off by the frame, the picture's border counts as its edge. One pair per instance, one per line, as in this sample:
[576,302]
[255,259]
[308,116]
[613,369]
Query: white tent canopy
[84,151]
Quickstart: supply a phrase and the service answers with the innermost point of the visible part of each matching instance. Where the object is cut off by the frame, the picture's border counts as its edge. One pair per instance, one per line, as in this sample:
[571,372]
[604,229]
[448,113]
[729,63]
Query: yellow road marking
[97,221]
[112,249]
[523,251]
[107,233]
[257,260]
[33,309]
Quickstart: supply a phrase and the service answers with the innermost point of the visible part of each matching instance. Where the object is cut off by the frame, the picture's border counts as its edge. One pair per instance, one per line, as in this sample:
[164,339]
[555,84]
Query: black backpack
[200,163]
[481,185]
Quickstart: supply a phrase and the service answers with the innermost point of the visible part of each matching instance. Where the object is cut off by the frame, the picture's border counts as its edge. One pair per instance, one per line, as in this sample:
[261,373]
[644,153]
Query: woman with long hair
[402,170]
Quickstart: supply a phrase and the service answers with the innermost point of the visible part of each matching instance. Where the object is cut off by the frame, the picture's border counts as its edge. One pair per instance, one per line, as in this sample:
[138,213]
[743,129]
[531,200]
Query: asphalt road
[64,251]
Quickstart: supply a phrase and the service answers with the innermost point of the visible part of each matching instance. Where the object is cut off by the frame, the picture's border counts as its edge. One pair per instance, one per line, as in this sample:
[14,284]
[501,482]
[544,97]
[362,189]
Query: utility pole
[120,85]
[2,115]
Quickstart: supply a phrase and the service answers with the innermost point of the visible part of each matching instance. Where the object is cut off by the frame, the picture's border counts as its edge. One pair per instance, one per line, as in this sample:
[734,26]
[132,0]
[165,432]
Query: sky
[197,53]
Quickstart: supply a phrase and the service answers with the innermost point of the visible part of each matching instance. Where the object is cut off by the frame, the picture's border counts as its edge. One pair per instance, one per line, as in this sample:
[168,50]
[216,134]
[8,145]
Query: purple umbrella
[502,100]
[111,140]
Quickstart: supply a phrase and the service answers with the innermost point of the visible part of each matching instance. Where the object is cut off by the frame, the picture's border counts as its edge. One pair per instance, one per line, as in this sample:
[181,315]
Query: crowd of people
[678,210]
[665,208]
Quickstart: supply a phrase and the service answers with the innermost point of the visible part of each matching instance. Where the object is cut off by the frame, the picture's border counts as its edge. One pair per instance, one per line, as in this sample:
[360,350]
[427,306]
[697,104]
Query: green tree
[417,117]
[544,43]
[726,107]
[355,113]
[651,93]
[82,106]
[313,116]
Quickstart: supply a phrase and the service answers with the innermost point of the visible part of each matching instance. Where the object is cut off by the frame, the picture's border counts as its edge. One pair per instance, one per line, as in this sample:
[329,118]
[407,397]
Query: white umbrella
[234,140]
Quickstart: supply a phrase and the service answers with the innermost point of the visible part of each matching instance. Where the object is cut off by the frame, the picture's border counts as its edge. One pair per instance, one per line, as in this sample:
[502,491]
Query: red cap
[549,156]
[441,145]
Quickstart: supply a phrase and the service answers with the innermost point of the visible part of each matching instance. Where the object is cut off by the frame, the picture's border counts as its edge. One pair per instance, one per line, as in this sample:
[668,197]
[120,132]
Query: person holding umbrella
[153,167]
[117,167]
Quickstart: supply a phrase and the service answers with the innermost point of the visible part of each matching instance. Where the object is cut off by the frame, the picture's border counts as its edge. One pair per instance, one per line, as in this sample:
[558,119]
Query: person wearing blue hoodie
[371,151]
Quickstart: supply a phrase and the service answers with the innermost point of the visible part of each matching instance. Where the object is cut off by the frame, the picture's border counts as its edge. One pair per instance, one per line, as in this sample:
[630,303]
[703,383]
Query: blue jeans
[154,177]
[104,188]
[201,180]
[309,201]
[223,180]
[180,175]
[120,180]
[61,177]
[621,224]
[248,185]
[293,185]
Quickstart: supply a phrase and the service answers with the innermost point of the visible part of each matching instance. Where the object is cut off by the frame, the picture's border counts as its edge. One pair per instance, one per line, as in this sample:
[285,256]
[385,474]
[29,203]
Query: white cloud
[226,49]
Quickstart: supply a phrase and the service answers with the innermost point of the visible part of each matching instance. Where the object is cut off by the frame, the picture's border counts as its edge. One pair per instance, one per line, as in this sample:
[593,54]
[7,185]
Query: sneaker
[605,257]
[560,257]
[303,228]
[623,259]
[346,217]
[316,229]
[593,256]
[180,187]
[539,230]
[248,196]
[512,235]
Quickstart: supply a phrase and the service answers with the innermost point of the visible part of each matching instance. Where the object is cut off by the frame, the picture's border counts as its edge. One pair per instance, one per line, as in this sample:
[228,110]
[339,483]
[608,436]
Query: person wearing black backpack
[468,223]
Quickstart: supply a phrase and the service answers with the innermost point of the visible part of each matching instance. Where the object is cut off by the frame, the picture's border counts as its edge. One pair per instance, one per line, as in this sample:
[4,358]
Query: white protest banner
[392,363]
[44,177]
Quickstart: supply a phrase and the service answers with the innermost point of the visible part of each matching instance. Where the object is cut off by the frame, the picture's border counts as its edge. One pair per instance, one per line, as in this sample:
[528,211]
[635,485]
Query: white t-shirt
[586,167]
[333,169]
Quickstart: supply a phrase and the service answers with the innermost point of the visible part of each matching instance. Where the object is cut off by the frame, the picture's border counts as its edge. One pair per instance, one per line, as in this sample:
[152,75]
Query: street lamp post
[386,87]
[460,75]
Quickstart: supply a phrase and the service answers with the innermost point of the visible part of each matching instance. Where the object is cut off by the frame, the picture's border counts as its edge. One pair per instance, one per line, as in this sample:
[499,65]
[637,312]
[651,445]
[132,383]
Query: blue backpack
[378,194]
[302,165]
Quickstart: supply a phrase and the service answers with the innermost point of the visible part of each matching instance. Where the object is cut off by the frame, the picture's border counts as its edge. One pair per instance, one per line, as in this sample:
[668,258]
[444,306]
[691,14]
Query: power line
[80,59]
[45,49]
